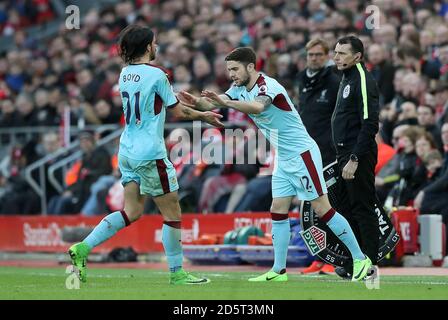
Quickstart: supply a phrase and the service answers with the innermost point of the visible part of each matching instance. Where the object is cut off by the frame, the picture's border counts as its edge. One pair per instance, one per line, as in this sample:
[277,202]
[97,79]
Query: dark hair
[427,136]
[86,134]
[114,68]
[354,42]
[433,111]
[134,41]
[245,55]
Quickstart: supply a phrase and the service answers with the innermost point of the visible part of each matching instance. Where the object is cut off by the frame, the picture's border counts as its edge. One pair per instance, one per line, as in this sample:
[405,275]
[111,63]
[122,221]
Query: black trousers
[358,197]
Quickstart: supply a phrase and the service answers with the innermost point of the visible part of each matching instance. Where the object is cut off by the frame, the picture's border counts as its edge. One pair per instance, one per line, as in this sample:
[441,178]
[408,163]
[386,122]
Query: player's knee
[278,208]
[320,206]
[173,213]
[134,213]
[317,209]
[172,216]
[273,207]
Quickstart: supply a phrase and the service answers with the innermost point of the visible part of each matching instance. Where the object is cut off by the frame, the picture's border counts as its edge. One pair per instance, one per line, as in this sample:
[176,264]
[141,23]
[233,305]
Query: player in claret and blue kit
[146,95]
[298,165]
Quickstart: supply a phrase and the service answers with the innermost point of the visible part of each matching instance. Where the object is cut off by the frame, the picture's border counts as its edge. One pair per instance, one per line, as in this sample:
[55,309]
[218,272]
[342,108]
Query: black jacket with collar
[355,119]
[317,99]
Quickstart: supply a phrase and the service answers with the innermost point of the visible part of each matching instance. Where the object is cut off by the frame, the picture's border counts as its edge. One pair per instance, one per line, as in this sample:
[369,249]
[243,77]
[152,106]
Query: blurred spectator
[27,111]
[106,114]
[405,114]
[386,35]
[9,116]
[88,84]
[96,203]
[424,144]
[18,197]
[403,190]
[398,98]
[412,58]
[427,119]
[408,114]
[182,78]
[389,173]
[432,199]
[427,39]
[202,73]
[217,190]
[433,162]
[193,176]
[50,143]
[95,163]
[385,153]
[111,79]
[258,193]
[220,73]
[383,72]
[46,113]
[441,103]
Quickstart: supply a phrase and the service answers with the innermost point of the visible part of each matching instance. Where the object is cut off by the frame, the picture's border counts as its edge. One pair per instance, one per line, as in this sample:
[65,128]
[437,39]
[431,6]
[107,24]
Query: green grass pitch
[50,283]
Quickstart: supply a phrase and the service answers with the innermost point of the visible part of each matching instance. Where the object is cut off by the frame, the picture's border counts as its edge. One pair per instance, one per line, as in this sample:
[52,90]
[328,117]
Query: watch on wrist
[354,157]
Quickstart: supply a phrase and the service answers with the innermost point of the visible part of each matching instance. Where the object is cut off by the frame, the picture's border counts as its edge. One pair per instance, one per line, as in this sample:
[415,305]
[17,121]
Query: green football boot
[360,268]
[183,277]
[78,254]
[270,276]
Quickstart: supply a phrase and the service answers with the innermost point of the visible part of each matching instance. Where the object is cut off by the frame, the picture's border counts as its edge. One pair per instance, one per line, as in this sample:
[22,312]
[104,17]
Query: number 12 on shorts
[306,184]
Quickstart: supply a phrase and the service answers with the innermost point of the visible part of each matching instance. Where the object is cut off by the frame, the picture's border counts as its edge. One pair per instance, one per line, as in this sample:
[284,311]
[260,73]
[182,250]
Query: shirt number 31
[125,94]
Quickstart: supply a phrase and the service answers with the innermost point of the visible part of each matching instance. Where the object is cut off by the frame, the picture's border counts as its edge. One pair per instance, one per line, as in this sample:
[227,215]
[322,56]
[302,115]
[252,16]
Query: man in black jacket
[383,71]
[318,89]
[354,126]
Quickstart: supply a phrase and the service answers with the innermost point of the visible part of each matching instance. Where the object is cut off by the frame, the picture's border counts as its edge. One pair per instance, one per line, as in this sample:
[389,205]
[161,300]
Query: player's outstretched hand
[213,119]
[187,99]
[216,99]
[201,104]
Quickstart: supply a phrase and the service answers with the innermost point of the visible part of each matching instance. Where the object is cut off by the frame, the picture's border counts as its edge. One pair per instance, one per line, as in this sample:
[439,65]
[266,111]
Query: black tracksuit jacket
[354,126]
[355,119]
[317,99]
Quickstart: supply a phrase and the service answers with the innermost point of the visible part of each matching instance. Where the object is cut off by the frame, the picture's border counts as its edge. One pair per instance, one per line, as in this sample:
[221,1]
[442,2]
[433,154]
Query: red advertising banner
[44,233]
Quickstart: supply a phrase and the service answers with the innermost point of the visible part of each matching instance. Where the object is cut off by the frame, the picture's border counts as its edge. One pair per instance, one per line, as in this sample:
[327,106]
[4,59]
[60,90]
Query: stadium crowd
[16,15]
[79,69]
